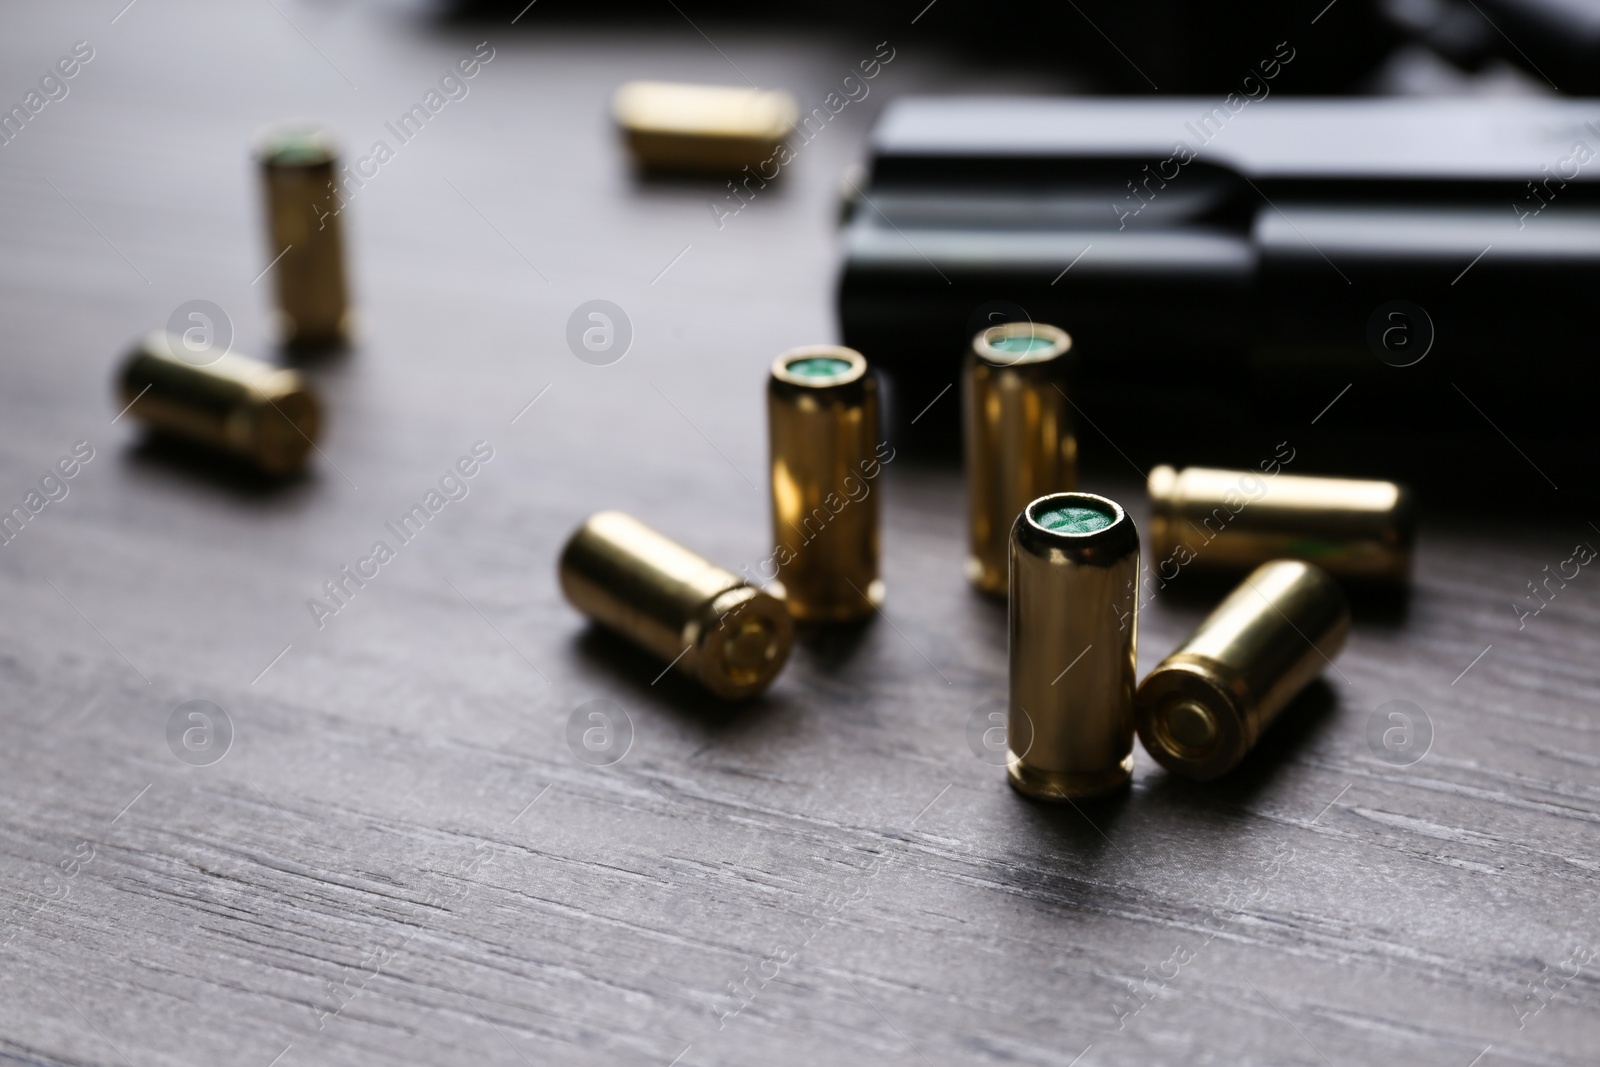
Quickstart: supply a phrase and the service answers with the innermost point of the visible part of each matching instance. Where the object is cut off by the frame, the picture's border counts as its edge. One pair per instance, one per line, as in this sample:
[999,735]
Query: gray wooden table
[399,858]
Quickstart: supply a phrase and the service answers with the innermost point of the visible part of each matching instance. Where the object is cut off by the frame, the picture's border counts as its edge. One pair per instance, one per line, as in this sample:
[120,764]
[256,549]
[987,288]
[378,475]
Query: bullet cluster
[1067,562]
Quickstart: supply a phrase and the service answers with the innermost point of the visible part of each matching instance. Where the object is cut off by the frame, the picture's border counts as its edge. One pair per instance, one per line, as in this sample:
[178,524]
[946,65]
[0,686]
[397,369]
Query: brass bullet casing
[298,161]
[1074,637]
[822,422]
[709,623]
[1019,438]
[705,128]
[262,413]
[1207,704]
[1234,520]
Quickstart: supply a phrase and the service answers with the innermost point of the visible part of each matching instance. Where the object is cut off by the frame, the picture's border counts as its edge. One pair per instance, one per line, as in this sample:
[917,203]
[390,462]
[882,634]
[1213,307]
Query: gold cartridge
[1224,520]
[1019,439]
[305,242]
[1074,636]
[265,414]
[709,623]
[706,128]
[822,422]
[1207,704]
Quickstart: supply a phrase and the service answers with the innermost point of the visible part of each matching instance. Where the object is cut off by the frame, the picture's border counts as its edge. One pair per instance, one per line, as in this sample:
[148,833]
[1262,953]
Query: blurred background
[529,165]
[1093,46]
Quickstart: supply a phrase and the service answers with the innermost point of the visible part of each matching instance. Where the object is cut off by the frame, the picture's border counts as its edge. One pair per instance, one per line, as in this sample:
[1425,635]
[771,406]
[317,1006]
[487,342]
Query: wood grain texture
[400,859]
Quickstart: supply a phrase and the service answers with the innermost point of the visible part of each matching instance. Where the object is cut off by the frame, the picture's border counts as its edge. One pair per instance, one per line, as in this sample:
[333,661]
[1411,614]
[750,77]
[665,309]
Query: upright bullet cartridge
[305,242]
[822,420]
[709,623]
[1207,704]
[1074,636]
[1019,439]
[262,413]
[1233,520]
